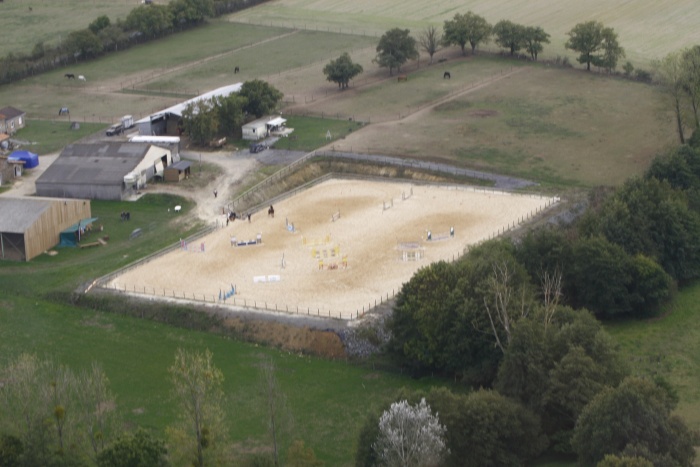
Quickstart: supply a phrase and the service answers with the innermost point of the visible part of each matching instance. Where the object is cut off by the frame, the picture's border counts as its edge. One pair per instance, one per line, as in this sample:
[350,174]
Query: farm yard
[335,267]
[565,129]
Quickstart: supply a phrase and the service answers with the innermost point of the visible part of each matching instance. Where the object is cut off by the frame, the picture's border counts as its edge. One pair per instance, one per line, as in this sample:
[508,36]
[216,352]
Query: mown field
[647,29]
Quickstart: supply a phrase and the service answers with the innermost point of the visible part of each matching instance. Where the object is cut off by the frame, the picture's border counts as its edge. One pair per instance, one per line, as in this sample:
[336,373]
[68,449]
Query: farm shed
[30,226]
[9,170]
[263,127]
[176,172]
[166,121]
[105,170]
[11,120]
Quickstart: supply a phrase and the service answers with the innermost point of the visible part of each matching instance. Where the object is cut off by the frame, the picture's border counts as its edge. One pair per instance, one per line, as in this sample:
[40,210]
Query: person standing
[215,193]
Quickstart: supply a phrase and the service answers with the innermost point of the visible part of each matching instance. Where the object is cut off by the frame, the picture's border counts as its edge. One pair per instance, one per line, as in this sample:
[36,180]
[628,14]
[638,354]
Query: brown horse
[271,212]
[401,78]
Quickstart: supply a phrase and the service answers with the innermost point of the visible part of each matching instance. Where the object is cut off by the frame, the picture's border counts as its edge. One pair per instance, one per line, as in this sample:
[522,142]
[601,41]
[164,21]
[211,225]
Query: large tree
[509,35]
[395,48]
[150,20]
[533,38]
[342,70]
[279,419]
[262,97]
[137,449]
[190,12]
[634,418]
[199,398]
[591,38]
[466,28]
[691,80]
[670,74]
[410,436]
[200,121]
[430,40]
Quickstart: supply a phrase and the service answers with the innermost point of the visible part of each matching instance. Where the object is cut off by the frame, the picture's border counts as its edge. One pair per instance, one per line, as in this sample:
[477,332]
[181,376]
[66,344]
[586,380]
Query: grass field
[647,29]
[46,136]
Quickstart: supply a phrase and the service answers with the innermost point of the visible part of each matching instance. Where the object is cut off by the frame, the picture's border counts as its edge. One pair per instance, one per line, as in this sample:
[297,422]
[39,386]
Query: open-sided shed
[178,171]
[30,226]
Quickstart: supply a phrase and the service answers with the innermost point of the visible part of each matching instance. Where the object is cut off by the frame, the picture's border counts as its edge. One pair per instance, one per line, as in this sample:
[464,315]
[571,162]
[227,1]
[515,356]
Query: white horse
[82,78]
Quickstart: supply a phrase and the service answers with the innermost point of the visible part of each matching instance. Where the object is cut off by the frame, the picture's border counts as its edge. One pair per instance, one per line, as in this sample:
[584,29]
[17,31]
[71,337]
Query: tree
[199,397]
[190,12]
[691,80]
[670,74]
[137,449]
[395,48]
[342,70]
[261,97]
[230,113]
[11,450]
[96,407]
[275,403]
[410,436]
[635,417]
[430,39]
[466,28]
[99,24]
[83,43]
[624,461]
[533,38]
[509,35]
[150,20]
[200,121]
[591,37]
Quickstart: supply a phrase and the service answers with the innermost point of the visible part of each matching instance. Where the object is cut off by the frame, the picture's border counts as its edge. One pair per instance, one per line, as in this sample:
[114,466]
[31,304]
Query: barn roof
[18,214]
[182,165]
[103,163]
[179,108]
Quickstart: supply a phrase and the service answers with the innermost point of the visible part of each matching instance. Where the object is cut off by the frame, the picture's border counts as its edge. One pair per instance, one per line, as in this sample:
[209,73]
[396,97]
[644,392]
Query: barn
[166,122]
[30,226]
[177,172]
[104,170]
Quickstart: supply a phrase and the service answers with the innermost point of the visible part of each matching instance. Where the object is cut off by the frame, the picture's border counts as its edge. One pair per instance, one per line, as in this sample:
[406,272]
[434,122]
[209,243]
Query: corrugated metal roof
[18,214]
[178,108]
[94,163]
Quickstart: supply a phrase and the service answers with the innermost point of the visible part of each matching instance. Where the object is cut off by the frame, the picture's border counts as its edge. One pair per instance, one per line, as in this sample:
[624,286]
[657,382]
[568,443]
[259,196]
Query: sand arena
[346,252]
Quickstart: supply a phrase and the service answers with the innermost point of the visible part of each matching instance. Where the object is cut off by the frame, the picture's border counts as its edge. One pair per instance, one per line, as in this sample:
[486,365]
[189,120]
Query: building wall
[255,132]
[44,233]
[152,163]
[61,190]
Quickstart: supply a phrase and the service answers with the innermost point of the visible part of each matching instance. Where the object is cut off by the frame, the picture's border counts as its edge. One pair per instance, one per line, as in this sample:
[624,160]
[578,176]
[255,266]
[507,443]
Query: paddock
[362,264]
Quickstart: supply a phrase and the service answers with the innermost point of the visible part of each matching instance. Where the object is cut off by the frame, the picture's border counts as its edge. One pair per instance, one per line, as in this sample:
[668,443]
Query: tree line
[521,318]
[144,23]
[597,44]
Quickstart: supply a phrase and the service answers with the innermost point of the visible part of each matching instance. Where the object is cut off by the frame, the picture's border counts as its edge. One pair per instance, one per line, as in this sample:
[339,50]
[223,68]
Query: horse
[236,70]
[446,75]
[82,78]
[401,78]
[69,75]
[63,111]
[271,212]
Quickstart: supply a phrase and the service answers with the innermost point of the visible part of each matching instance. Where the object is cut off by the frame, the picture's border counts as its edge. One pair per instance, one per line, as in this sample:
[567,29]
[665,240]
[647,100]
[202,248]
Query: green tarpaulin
[73,234]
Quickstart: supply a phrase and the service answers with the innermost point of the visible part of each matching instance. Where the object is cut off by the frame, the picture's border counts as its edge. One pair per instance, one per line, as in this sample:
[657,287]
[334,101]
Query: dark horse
[446,75]
[236,70]
[271,212]
[69,75]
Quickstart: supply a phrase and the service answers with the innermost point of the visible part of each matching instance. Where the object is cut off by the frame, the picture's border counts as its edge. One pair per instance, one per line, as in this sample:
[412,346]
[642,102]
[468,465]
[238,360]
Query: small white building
[263,127]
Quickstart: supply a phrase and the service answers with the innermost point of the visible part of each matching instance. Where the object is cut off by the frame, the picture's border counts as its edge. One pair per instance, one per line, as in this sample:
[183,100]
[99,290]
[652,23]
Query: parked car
[257,147]
[116,129]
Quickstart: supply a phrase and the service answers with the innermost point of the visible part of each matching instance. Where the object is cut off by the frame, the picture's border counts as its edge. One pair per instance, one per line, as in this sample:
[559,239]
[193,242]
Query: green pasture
[51,21]
[287,52]
[647,29]
[668,346]
[391,100]
[47,136]
[312,132]
[555,126]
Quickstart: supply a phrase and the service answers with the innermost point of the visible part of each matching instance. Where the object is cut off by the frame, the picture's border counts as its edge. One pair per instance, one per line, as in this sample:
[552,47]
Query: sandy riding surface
[327,267]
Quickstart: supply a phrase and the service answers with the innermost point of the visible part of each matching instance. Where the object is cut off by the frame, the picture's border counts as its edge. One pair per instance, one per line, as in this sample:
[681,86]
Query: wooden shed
[11,120]
[30,226]
[178,171]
